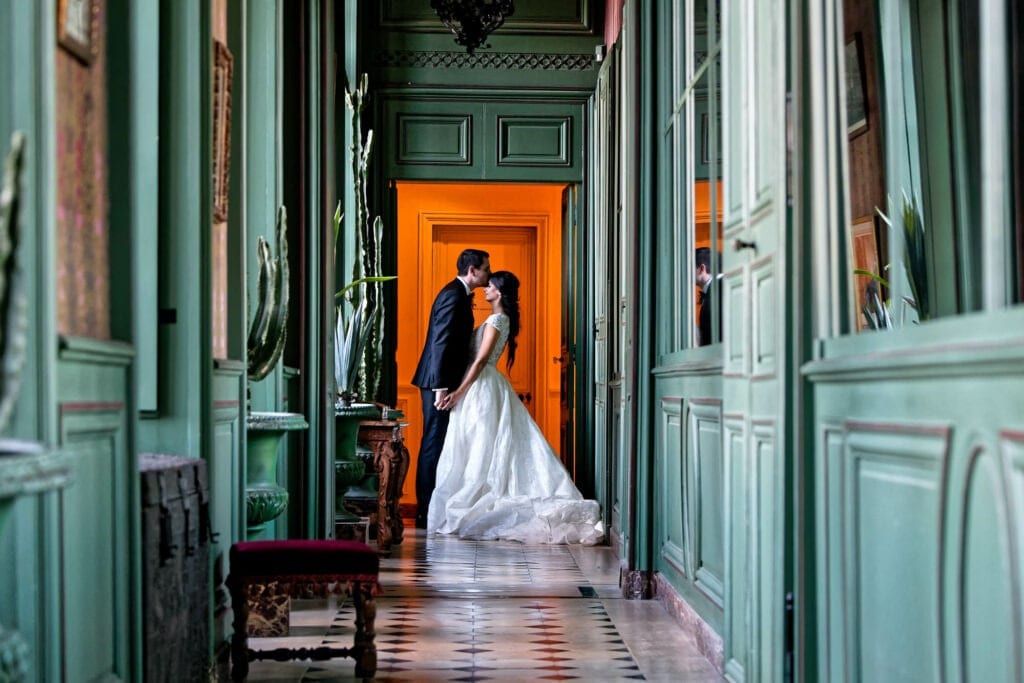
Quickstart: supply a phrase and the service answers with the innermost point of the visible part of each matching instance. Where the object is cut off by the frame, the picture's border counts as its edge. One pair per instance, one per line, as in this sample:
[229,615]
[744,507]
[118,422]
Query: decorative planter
[26,468]
[348,468]
[265,499]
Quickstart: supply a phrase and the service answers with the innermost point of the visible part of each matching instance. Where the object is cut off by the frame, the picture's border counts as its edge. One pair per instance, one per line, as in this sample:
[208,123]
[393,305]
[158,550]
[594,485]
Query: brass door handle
[525,398]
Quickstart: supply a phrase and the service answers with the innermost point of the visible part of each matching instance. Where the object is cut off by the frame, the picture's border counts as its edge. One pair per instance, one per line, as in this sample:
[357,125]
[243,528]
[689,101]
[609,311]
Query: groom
[443,363]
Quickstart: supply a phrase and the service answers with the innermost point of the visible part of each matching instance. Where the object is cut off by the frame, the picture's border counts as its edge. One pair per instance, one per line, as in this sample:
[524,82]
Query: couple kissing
[485,470]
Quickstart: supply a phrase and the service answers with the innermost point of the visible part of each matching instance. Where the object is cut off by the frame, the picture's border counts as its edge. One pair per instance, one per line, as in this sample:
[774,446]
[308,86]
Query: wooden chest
[175,568]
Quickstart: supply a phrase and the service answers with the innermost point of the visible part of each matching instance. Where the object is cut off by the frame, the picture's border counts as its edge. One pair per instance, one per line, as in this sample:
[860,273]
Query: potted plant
[358,341]
[359,320]
[878,314]
[265,498]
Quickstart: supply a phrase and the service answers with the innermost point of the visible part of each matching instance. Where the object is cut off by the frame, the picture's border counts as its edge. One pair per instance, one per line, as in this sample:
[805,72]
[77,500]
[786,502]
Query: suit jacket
[445,354]
[704,315]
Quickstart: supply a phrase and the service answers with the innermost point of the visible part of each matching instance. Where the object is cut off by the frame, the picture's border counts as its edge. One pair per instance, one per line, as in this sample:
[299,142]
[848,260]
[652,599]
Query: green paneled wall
[689,501]
[482,138]
[544,45]
[918,501]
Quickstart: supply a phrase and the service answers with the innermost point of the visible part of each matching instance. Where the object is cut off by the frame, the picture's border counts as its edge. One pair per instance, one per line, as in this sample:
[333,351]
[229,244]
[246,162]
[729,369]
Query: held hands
[445,400]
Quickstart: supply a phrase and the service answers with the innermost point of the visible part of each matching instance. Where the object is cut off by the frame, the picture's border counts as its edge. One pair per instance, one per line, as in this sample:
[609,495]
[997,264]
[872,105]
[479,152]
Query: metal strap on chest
[186,509]
[167,546]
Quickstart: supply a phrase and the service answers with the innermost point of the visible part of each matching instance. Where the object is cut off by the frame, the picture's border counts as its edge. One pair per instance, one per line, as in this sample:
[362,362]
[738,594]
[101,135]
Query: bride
[497,477]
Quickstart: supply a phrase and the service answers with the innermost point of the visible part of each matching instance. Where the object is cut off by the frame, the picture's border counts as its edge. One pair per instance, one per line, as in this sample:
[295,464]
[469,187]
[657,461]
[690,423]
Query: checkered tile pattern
[454,610]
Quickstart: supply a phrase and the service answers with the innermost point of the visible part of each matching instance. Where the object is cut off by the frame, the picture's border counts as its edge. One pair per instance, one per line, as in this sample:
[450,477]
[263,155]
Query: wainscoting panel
[452,138]
[435,139]
[735,321]
[981,561]
[534,140]
[96,512]
[690,500]
[766,521]
[737,534]
[227,490]
[706,474]
[765,322]
[673,541]
[829,503]
[893,484]
[919,496]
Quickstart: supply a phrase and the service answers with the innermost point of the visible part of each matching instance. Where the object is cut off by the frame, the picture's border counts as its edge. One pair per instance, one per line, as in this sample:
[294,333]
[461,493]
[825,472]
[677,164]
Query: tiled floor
[456,610]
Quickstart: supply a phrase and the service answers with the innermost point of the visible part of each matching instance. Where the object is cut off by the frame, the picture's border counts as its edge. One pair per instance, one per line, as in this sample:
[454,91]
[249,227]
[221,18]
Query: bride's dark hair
[508,287]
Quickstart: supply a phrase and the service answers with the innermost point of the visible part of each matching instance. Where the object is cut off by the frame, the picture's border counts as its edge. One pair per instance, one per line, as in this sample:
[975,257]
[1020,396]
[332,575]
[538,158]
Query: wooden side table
[391,460]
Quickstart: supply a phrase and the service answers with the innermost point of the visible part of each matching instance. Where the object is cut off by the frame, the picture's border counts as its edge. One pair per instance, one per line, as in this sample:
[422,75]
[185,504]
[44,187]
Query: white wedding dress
[497,477]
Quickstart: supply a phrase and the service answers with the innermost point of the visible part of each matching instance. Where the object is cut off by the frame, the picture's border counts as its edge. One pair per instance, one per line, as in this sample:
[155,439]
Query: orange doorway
[520,226]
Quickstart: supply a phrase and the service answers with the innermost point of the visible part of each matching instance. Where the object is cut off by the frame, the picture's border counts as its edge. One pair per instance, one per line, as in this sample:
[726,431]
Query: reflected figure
[704,279]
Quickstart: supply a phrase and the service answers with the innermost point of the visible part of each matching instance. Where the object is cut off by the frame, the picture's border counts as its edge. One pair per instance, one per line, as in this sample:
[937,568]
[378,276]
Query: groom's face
[478,277]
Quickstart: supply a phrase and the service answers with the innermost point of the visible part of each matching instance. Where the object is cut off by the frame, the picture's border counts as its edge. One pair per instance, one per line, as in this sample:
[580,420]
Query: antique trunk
[175,568]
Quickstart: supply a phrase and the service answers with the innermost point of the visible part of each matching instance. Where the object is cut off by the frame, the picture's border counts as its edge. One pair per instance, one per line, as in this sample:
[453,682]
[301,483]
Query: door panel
[754,263]
[515,249]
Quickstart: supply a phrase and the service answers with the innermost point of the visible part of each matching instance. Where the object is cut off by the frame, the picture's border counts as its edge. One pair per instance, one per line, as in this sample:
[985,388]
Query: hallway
[453,610]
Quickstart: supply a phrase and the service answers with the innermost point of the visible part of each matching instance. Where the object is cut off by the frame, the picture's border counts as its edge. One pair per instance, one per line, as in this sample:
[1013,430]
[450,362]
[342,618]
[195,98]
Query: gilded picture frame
[223,66]
[856,92]
[867,255]
[76,28]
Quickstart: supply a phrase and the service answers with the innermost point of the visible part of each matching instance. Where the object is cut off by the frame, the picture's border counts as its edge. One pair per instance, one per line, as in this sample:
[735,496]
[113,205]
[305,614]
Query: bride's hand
[451,399]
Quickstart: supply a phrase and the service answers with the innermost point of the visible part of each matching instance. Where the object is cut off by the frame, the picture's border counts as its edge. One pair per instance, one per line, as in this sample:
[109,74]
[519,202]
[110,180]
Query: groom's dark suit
[442,364]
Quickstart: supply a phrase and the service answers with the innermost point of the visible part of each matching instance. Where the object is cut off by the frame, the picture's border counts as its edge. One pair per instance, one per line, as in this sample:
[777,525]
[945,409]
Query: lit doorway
[520,226]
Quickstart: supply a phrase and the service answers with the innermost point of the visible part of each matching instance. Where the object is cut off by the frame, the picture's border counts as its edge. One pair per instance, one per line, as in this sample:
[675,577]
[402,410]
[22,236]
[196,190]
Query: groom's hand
[441,399]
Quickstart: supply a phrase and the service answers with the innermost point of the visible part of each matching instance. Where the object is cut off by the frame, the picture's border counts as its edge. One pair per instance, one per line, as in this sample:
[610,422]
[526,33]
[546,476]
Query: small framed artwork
[223,65]
[856,95]
[866,256]
[76,28]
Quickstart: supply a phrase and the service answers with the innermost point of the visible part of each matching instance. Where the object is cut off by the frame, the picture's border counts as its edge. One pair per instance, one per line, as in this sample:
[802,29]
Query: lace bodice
[500,322]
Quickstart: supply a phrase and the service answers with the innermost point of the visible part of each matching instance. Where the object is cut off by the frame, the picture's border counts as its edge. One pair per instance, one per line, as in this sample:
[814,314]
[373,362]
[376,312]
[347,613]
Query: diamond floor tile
[454,610]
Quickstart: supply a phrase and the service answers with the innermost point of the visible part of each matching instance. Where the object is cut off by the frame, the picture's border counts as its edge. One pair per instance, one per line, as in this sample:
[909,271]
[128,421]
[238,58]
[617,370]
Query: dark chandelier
[472,20]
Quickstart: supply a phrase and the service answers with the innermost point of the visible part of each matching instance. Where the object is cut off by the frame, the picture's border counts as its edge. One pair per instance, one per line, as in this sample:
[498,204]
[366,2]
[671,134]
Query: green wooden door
[687,518]
[754,295]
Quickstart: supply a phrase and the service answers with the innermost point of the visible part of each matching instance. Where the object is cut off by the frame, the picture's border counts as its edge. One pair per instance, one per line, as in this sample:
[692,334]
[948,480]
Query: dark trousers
[435,426]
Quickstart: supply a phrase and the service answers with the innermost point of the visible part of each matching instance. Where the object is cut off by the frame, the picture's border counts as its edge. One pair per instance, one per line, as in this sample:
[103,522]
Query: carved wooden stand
[304,568]
[391,460]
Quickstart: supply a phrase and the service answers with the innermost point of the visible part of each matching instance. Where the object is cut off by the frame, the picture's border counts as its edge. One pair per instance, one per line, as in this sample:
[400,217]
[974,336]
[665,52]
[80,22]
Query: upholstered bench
[300,569]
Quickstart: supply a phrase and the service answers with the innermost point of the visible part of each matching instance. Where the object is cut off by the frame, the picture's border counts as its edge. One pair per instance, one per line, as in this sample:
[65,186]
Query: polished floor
[454,610]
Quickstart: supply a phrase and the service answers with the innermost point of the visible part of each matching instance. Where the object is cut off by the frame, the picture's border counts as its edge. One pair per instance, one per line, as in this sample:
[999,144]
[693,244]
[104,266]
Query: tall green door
[754,310]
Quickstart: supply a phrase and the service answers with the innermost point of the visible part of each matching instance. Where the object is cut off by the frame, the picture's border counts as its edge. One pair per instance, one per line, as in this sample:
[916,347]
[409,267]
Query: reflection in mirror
[705,190]
[1016,71]
[915,162]
[866,173]
[706,232]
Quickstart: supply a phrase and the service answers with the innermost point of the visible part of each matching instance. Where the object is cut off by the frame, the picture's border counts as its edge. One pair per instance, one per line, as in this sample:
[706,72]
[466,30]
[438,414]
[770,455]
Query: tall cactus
[367,268]
[269,325]
[12,298]
[352,331]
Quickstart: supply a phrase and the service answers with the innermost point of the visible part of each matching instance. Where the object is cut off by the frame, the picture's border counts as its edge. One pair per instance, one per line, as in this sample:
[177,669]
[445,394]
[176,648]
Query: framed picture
[856,95]
[76,28]
[866,256]
[222,72]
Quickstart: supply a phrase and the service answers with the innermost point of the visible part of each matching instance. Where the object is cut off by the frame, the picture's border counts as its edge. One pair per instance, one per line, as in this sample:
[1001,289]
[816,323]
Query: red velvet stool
[300,569]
